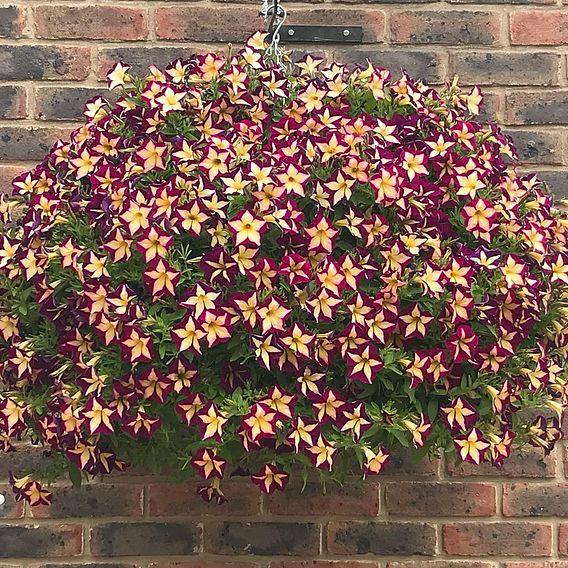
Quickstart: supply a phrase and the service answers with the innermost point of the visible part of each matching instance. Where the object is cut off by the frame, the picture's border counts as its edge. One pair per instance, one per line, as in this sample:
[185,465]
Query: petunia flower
[260,422]
[270,478]
[472,447]
[208,464]
[459,415]
[375,461]
[363,364]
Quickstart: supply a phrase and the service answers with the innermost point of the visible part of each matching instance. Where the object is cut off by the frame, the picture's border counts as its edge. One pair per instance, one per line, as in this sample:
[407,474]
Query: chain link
[274,15]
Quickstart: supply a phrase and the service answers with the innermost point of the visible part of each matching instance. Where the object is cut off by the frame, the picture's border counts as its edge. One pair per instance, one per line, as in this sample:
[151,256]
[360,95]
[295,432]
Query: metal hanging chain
[274,15]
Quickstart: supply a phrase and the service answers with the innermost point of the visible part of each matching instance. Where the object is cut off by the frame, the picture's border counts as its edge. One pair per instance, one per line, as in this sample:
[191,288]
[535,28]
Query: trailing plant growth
[243,268]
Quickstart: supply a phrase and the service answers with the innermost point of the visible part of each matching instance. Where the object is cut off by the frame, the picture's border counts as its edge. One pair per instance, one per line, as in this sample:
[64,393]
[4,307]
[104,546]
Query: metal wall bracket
[321,34]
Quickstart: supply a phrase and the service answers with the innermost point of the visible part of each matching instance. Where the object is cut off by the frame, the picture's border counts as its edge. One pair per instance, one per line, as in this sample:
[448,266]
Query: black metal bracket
[321,34]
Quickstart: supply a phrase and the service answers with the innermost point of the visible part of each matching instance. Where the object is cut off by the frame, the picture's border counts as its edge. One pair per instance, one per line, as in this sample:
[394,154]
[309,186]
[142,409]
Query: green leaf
[432,407]
[75,476]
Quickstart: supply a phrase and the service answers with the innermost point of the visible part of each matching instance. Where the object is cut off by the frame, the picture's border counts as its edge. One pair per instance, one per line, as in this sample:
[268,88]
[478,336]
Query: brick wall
[55,55]
[426,515]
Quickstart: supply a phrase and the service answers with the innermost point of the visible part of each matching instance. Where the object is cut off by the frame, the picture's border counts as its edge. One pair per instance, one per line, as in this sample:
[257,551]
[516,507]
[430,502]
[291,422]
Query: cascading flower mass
[243,268]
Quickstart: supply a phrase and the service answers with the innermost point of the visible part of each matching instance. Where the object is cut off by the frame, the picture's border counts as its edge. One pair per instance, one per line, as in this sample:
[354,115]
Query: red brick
[497,539]
[551,564]
[505,68]
[447,27]
[222,24]
[146,538]
[25,143]
[10,509]
[262,538]
[139,58]
[181,500]
[41,62]
[557,181]
[424,64]
[402,462]
[40,541]
[538,146]
[563,540]
[537,107]
[492,107]
[530,462]
[535,500]
[200,23]
[380,537]
[201,564]
[552,28]
[504,2]
[12,21]
[7,174]
[322,564]
[359,500]
[65,103]
[13,101]
[26,456]
[425,499]
[91,22]
[439,564]
[93,500]
[79,564]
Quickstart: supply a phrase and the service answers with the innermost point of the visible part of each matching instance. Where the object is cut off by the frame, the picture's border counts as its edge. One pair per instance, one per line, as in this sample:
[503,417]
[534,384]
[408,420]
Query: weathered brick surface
[439,564]
[540,564]
[402,463]
[506,68]
[424,64]
[100,22]
[7,174]
[203,564]
[455,27]
[139,58]
[557,180]
[12,21]
[40,541]
[378,537]
[44,62]
[322,564]
[27,143]
[93,500]
[355,500]
[537,107]
[528,463]
[262,538]
[64,103]
[426,499]
[498,539]
[12,102]
[175,500]
[145,538]
[10,509]
[543,146]
[552,28]
[535,500]
[563,540]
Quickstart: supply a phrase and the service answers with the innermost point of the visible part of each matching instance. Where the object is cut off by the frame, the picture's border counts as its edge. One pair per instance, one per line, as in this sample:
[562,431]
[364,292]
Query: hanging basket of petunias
[241,267]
